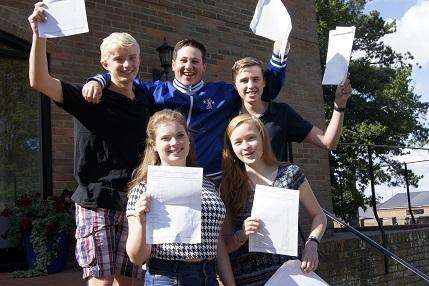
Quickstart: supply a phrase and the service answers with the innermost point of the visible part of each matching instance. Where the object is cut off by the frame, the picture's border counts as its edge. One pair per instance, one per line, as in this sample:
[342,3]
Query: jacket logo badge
[209,103]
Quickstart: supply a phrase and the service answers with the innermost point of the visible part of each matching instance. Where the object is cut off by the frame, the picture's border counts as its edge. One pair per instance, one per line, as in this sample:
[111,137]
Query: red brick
[222,25]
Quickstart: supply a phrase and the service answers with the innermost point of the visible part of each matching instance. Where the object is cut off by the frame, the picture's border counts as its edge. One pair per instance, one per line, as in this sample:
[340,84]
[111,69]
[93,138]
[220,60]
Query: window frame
[21,51]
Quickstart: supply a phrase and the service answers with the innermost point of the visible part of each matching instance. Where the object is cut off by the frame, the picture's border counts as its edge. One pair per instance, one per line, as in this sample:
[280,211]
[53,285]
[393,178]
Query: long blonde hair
[235,185]
[151,157]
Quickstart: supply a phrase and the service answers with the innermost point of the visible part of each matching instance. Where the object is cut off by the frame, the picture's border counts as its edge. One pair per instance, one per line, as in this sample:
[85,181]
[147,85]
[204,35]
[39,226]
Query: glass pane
[20,133]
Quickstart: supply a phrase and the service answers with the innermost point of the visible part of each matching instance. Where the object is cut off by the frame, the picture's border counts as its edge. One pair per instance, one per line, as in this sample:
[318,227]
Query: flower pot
[58,263]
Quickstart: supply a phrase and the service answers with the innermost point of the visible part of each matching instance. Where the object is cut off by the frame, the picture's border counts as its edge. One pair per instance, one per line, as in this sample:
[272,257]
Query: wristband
[340,109]
[313,238]
[100,79]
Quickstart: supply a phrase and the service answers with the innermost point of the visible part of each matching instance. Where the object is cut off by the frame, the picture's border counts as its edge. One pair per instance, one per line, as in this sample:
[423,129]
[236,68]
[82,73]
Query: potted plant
[5,215]
[42,228]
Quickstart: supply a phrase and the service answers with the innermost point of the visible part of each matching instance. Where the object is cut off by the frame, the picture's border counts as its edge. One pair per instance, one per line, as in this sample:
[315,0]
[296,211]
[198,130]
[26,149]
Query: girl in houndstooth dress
[168,143]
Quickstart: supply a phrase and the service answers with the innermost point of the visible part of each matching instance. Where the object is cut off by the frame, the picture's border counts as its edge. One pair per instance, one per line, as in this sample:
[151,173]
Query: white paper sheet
[64,18]
[271,20]
[277,208]
[175,214]
[291,274]
[338,56]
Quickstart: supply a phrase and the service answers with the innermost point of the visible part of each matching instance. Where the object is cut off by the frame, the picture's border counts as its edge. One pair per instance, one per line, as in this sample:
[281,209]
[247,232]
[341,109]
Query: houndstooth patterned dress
[212,217]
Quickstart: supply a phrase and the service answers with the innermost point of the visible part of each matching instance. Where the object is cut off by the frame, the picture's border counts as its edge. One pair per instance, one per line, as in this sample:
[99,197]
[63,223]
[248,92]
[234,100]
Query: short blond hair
[246,63]
[114,41]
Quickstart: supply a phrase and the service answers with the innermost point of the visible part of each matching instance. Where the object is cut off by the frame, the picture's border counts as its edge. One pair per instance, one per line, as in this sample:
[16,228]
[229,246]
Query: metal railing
[370,151]
[379,247]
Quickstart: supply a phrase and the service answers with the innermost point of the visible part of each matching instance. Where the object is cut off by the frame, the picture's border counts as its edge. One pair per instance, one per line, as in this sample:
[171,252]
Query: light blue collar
[188,89]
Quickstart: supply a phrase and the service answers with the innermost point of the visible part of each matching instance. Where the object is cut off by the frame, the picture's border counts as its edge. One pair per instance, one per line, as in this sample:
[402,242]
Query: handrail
[377,246]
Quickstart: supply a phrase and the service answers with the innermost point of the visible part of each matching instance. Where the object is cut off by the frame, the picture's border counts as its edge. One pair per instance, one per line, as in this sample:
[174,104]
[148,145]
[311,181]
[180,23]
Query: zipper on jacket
[191,105]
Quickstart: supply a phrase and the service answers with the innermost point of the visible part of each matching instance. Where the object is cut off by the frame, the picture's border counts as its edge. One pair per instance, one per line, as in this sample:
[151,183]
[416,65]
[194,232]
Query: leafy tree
[383,109]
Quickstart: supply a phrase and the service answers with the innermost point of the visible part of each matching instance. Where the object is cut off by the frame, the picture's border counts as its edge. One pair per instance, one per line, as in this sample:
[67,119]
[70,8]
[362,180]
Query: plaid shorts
[101,236]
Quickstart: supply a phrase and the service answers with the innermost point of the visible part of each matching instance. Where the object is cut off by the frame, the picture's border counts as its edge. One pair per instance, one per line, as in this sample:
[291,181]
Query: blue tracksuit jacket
[207,107]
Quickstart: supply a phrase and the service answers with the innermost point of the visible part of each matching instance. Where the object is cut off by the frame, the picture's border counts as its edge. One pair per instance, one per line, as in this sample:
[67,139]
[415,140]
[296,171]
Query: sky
[412,34]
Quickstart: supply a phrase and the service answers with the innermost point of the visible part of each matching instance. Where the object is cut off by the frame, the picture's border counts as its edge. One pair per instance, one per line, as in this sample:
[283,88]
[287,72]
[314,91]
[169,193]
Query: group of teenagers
[235,132]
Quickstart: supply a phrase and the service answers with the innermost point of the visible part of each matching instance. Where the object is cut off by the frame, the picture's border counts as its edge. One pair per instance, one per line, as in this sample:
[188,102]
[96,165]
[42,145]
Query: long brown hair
[151,157]
[235,185]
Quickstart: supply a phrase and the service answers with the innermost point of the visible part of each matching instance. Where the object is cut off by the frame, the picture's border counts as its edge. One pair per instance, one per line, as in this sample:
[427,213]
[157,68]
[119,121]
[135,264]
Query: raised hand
[277,47]
[342,94]
[38,16]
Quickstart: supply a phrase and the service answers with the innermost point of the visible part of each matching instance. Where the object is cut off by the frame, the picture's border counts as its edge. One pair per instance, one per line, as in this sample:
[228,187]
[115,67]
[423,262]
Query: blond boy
[109,138]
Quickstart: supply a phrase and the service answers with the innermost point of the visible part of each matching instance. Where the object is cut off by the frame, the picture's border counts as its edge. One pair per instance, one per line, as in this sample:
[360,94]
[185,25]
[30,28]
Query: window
[25,163]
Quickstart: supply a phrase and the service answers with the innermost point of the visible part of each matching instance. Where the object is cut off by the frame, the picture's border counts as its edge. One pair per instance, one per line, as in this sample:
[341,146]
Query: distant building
[395,210]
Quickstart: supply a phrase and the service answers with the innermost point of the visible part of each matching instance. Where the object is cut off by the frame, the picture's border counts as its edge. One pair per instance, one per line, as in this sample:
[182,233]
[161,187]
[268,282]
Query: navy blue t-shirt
[284,125]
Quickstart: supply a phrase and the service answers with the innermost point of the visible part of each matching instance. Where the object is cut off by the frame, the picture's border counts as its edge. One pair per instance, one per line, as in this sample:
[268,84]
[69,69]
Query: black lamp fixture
[165,52]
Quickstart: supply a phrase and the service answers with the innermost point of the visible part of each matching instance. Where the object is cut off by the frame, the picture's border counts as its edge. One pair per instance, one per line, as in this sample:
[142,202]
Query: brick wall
[351,261]
[221,25]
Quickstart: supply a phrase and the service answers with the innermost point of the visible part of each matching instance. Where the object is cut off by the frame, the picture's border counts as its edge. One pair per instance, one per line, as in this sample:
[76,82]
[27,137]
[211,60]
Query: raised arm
[275,73]
[330,138]
[39,76]
[137,249]
[310,259]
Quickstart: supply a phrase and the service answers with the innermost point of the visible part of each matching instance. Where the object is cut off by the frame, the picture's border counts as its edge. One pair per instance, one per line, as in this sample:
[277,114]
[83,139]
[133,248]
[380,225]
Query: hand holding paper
[343,93]
[143,206]
[271,20]
[175,215]
[251,225]
[37,17]
[63,18]
[338,56]
[277,209]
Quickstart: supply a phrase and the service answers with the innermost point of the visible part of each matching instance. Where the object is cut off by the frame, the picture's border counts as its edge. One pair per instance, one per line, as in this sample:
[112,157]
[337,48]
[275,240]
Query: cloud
[420,168]
[412,33]
[421,82]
